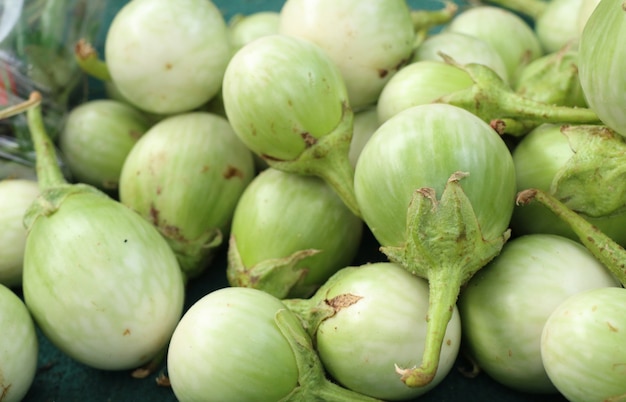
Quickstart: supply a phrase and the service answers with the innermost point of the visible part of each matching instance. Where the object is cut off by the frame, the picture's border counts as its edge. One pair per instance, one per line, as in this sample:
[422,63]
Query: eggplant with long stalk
[100,281]
[436,185]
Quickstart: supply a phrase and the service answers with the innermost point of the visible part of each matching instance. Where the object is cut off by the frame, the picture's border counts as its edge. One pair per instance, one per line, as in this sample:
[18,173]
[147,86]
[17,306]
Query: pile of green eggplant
[479,144]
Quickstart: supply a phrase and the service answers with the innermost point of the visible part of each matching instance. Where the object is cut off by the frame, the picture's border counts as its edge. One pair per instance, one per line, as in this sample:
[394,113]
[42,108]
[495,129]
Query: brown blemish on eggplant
[342,301]
[126,332]
[168,66]
[5,389]
[159,190]
[172,232]
[232,171]
[611,327]
[382,72]
[309,140]
[154,214]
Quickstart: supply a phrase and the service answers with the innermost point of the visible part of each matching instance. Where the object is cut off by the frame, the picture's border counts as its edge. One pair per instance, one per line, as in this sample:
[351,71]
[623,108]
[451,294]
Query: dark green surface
[61,379]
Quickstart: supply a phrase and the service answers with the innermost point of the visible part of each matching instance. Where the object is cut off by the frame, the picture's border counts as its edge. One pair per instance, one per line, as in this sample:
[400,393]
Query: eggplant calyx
[445,245]
[51,199]
[328,158]
[276,276]
[597,166]
[553,80]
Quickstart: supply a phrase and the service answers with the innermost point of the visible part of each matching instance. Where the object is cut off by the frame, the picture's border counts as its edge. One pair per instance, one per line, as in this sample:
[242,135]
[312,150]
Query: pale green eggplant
[19,347]
[165,70]
[365,124]
[185,176]
[508,34]
[601,60]
[369,40]
[368,320]
[582,345]
[287,101]
[97,137]
[290,233]
[436,186]
[242,344]
[101,282]
[464,49]
[419,83]
[16,195]
[243,29]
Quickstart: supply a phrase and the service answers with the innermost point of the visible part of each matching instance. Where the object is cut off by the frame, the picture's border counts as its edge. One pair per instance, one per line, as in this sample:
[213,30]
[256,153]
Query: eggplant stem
[492,99]
[339,175]
[424,20]
[444,284]
[513,127]
[513,104]
[445,245]
[88,60]
[605,249]
[48,170]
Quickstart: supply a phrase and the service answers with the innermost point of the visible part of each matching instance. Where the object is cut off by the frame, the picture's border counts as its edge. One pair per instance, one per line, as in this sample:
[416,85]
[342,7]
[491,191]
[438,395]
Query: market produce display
[313,200]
